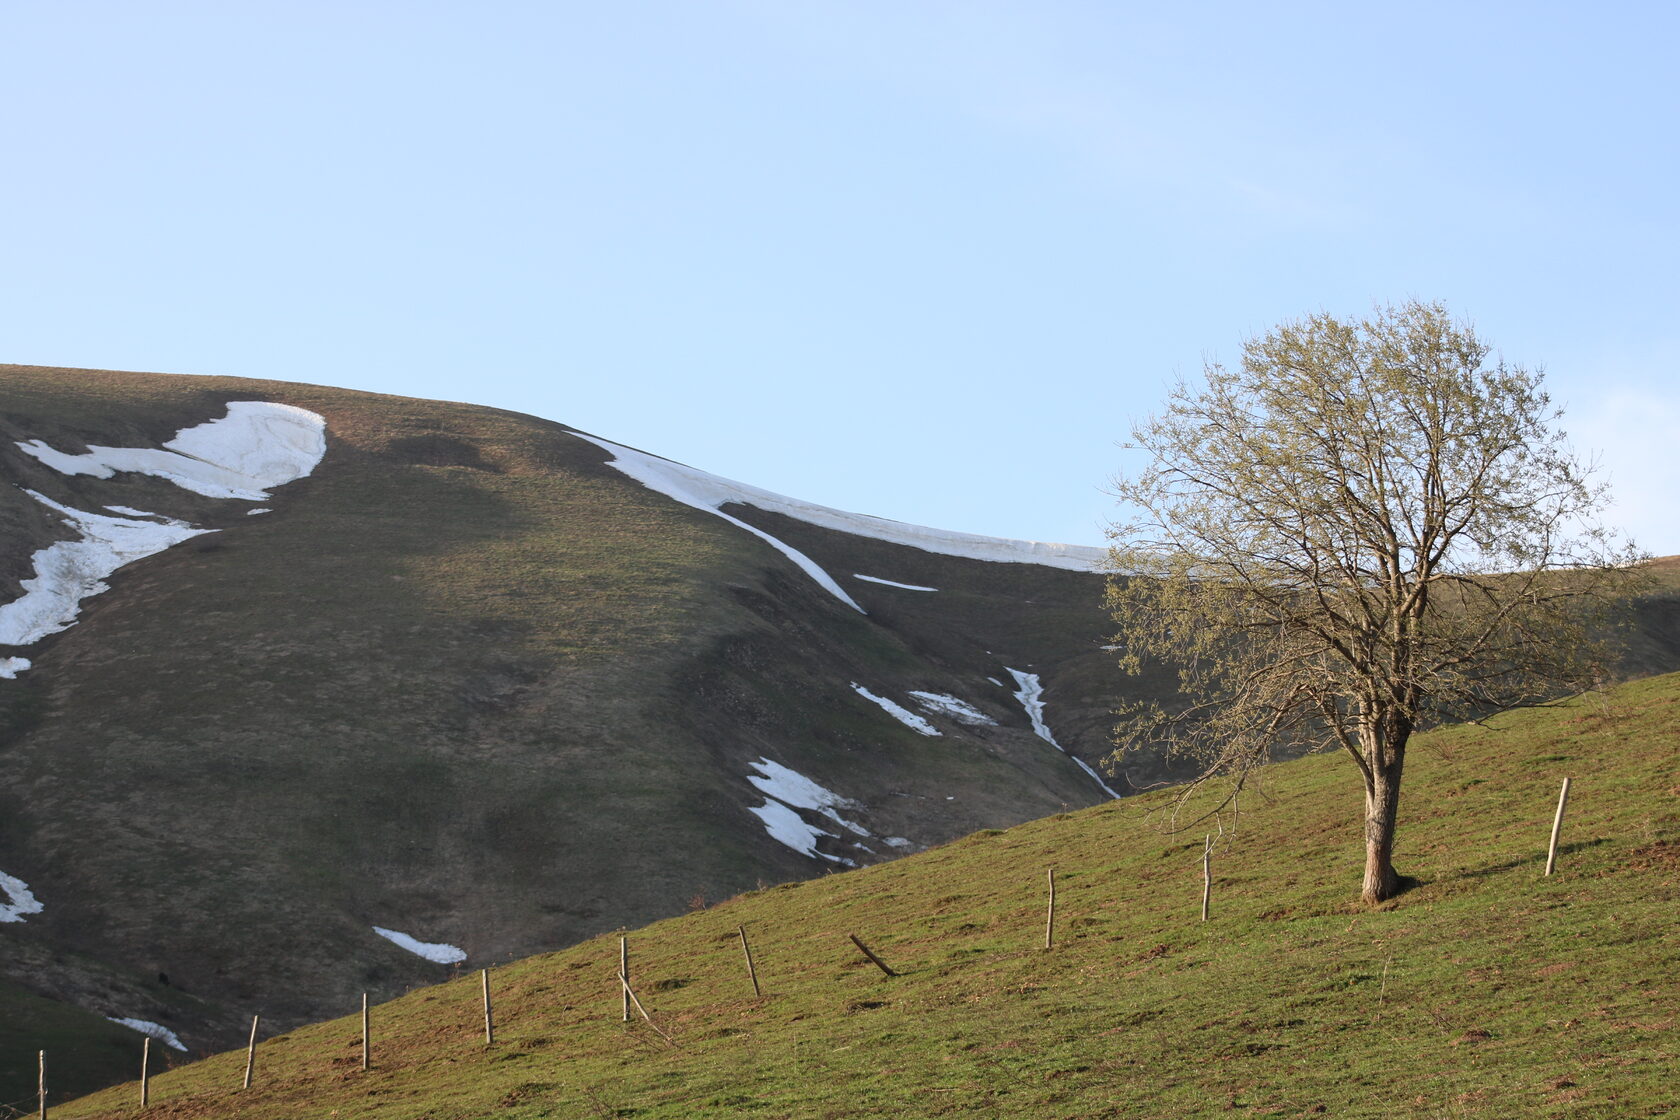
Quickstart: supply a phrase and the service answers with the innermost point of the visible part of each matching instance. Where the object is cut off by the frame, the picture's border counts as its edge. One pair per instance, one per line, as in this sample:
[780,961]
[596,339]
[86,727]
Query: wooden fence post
[145,1072]
[1207,874]
[364,1032]
[879,963]
[1050,917]
[632,997]
[489,1023]
[41,1083]
[251,1047]
[752,973]
[624,974]
[1557,827]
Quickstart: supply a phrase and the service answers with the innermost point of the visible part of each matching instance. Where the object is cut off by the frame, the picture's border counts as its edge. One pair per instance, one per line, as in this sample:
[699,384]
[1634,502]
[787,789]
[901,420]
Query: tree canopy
[1366,526]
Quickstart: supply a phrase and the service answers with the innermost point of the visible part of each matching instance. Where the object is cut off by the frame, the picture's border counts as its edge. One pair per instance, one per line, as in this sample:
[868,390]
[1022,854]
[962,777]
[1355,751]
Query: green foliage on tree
[1366,527]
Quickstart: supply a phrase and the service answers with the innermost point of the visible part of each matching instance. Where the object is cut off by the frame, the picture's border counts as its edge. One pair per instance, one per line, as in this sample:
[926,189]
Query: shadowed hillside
[469,682]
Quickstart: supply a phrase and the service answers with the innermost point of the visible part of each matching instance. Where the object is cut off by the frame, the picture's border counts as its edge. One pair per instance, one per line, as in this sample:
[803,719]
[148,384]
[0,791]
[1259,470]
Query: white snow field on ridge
[256,446]
[709,492]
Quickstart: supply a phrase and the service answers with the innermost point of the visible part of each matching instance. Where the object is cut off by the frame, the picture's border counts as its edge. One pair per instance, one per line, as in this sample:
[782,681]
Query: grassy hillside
[1487,990]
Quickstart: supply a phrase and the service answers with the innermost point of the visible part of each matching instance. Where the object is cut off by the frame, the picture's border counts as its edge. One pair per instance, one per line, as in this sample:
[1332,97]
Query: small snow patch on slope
[257,445]
[10,667]
[891,583]
[962,711]
[21,900]
[432,951]
[1031,696]
[157,1030]
[903,715]
[69,571]
[785,791]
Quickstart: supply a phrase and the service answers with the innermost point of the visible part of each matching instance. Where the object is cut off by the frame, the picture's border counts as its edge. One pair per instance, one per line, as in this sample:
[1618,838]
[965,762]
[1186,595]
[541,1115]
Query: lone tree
[1366,528]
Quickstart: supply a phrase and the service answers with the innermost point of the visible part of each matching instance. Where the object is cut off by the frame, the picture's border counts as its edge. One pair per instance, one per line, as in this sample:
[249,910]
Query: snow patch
[903,715]
[785,791]
[259,509]
[706,492]
[793,788]
[257,445]
[69,571]
[896,842]
[787,827]
[157,1030]
[891,583]
[711,493]
[22,901]
[432,951]
[1031,696]
[962,711]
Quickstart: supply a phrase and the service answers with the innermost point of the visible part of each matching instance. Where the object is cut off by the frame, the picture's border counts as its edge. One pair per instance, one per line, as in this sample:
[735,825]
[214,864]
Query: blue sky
[923,260]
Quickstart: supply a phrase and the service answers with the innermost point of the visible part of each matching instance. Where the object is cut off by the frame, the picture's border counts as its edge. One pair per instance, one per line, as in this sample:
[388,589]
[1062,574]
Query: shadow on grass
[1537,859]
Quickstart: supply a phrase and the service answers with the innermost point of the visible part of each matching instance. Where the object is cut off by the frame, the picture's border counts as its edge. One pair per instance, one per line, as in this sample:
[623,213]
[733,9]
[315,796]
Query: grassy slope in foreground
[1486,991]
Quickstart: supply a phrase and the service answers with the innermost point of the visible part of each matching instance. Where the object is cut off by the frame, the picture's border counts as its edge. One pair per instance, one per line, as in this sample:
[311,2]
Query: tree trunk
[1382,807]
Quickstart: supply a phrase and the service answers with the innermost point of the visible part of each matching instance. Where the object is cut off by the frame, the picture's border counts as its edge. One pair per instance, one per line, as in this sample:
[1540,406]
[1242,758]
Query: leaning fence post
[364,1031]
[752,973]
[1557,827]
[251,1049]
[145,1071]
[879,963]
[489,1024]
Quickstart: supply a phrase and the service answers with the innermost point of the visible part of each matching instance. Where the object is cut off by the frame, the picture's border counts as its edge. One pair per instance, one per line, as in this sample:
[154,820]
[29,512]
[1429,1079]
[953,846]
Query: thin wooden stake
[364,1032]
[879,963]
[1382,992]
[631,996]
[624,973]
[1207,875]
[145,1072]
[251,1049]
[1050,917]
[489,1024]
[41,1083]
[1557,827]
[752,973]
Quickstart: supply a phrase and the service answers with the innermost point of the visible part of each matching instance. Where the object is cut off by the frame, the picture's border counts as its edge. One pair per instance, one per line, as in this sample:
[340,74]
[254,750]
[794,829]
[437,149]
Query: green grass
[1487,990]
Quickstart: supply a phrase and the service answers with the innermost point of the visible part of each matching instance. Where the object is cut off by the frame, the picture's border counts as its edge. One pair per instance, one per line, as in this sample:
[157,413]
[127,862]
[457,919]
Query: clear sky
[915,258]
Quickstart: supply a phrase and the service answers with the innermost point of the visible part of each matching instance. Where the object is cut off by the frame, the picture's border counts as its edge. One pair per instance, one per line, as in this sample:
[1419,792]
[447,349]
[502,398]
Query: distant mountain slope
[469,681]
